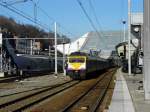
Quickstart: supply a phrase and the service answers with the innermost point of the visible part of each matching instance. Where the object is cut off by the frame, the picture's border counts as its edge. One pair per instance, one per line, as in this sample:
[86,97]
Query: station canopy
[103,43]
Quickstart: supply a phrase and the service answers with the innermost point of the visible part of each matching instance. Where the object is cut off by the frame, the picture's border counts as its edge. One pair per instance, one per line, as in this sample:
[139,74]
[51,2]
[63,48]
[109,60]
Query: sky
[70,17]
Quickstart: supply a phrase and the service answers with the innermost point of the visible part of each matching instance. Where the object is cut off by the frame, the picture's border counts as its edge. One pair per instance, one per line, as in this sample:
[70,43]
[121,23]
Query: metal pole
[146,44]
[129,37]
[124,31]
[49,51]
[35,18]
[35,13]
[1,52]
[1,59]
[56,72]
[78,46]
[31,47]
[64,58]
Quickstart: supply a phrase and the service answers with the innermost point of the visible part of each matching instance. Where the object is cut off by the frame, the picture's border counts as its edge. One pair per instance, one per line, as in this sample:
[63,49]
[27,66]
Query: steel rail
[24,102]
[99,100]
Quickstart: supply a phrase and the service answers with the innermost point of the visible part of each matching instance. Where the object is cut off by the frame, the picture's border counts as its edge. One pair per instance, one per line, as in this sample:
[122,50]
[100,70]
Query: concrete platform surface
[121,99]
[137,93]
[128,94]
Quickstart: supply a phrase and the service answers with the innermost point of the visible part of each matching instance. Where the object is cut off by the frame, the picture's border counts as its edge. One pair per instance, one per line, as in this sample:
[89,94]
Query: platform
[128,94]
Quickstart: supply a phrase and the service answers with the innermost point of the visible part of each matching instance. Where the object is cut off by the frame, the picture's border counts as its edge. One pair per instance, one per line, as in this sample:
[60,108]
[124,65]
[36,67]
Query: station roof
[73,46]
[105,43]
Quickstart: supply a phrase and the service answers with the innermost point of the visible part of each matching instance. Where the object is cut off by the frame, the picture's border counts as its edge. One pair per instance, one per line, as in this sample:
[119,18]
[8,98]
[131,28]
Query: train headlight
[136,29]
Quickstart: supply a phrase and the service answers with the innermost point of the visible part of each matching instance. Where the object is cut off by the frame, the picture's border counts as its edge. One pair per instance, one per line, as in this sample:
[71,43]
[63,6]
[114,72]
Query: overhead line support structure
[146,47]
[56,72]
[13,9]
[129,37]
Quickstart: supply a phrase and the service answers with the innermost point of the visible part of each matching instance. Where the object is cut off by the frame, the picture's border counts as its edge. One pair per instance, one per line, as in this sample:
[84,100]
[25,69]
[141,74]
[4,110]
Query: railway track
[91,100]
[71,96]
[85,96]
[23,100]
[9,79]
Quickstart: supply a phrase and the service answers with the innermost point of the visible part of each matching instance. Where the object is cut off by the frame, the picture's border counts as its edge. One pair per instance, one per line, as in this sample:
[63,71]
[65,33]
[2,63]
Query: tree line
[30,31]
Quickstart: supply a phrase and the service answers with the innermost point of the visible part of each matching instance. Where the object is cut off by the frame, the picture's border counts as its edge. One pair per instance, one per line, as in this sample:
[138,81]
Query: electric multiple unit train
[25,64]
[79,64]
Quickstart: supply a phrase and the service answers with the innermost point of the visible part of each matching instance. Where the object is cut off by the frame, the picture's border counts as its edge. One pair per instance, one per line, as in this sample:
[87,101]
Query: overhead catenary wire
[23,13]
[30,38]
[53,20]
[86,14]
[95,16]
[90,20]
[13,9]
[97,20]
[11,2]
[30,18]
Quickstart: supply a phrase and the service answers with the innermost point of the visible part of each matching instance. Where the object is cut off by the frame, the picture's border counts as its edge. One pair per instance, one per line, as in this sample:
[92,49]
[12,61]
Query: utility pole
[56,72]
[129,37]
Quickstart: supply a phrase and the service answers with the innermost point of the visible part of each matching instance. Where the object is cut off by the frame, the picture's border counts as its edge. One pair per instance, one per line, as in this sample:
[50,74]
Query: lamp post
[124,30]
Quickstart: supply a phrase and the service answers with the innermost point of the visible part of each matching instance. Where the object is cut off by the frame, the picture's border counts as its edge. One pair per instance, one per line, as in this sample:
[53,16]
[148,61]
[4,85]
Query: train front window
[76,60]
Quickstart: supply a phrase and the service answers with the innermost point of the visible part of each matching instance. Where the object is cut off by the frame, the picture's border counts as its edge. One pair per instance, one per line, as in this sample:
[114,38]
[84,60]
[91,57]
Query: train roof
[87,55]
[79,53]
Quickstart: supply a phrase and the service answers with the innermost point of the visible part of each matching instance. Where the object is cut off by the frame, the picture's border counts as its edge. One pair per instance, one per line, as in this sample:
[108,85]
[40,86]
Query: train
[80,64]
[25,64]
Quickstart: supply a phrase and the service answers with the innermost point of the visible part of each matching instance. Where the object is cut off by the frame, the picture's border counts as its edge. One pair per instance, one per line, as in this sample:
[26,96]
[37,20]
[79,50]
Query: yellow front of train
[76,67]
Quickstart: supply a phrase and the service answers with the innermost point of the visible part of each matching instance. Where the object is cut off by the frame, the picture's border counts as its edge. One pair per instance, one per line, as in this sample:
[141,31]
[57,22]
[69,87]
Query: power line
[53,20]
[86,14]
[13,9]
[28,17]
[14,2]
[95,16]
[89,19]
[30,38]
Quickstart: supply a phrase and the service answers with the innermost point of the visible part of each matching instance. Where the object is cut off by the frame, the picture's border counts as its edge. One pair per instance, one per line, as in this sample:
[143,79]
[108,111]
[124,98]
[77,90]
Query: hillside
[29,31]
